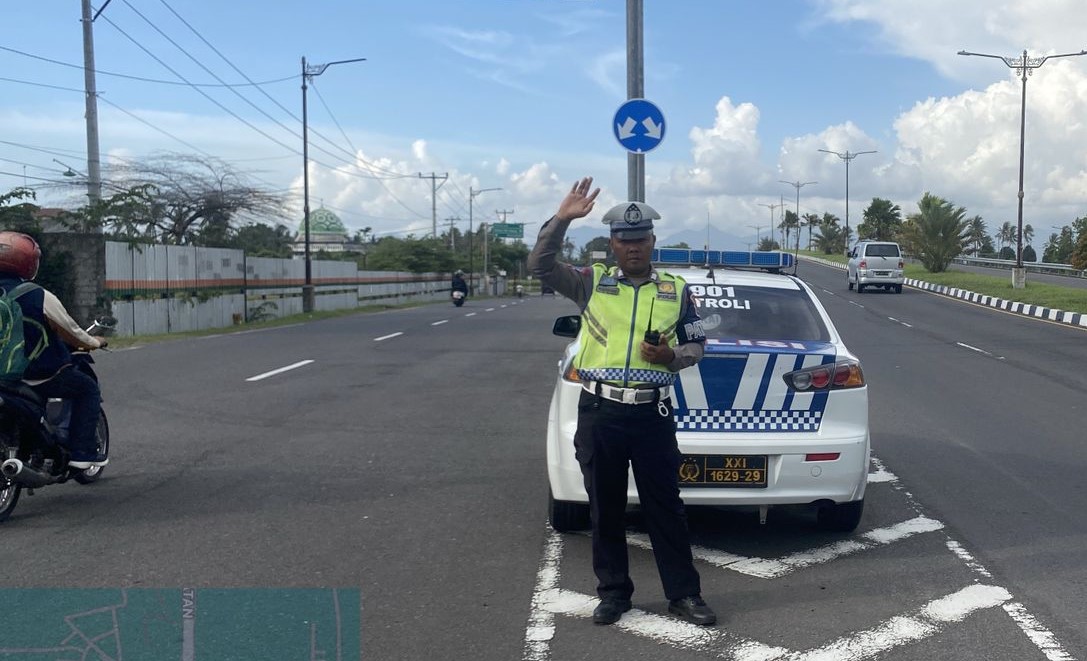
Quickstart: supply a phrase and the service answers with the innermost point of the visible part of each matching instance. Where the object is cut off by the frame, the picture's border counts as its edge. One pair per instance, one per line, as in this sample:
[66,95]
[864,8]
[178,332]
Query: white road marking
[967,559]
[489,310]
[387,337]
[900,322]
[1039,635]
[470,314]
[881,474]
[281,370]
[502,306]
[439,323]
[857,304]
[549,600]
[900,630]
[247,332]
[967,346]
[776,568]
[541,622]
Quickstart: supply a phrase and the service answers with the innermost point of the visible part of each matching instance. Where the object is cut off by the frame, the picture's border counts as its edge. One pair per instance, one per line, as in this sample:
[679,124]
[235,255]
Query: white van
[876,264]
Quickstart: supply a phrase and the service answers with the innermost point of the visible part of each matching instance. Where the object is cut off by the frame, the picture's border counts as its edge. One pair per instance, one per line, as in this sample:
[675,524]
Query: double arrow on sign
[652,129]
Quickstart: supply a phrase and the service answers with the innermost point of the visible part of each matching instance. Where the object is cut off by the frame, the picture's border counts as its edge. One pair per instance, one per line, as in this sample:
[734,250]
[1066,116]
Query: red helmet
[19,254]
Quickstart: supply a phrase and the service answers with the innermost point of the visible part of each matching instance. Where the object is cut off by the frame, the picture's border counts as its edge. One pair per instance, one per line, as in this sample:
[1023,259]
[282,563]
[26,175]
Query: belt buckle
[629,395]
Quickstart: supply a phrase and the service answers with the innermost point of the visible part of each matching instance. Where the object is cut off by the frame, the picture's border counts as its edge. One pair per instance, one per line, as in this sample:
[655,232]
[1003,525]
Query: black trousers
[609,438]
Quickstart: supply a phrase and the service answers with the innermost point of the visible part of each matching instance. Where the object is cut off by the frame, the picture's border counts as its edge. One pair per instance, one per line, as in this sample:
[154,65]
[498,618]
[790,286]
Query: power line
[140,78]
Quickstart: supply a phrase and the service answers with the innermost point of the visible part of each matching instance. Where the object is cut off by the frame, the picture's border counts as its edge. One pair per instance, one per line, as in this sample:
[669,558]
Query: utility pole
[94,163]
[434,186]
[452,237]
[472,193]
[1023,66]
[635,90]
[309,294]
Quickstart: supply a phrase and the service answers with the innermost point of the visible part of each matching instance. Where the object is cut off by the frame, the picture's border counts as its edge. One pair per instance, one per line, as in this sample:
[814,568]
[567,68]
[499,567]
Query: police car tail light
[839,375]
[901,264]
[571,374]
[863,264]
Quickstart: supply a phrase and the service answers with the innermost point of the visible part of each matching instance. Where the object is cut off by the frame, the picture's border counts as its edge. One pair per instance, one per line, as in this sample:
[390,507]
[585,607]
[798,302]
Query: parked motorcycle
[458,298]
[33,432]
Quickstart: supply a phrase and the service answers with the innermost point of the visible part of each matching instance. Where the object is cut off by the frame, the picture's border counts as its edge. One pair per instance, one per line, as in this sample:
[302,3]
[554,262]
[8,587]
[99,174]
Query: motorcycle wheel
[88,475]
[9,491]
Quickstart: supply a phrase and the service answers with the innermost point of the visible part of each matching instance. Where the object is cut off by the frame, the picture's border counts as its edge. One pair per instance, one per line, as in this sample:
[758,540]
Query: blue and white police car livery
[776,413]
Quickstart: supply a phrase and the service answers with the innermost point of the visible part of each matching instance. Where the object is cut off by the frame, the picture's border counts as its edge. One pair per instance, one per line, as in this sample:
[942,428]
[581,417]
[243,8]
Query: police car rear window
[757,313]
[881,250]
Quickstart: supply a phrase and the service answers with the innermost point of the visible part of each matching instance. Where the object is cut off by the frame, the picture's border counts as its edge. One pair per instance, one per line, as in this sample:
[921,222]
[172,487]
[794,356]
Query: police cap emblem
[631,220]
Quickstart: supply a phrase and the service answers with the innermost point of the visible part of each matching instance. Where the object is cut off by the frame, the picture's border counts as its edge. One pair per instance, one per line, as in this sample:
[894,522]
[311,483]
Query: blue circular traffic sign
[638,126]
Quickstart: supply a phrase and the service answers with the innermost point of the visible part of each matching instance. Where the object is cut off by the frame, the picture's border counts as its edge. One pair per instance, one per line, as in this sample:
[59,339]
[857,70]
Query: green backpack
[13,355]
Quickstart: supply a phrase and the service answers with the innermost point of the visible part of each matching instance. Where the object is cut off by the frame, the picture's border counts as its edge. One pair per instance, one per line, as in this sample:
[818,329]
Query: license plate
[883,274]
[723,470]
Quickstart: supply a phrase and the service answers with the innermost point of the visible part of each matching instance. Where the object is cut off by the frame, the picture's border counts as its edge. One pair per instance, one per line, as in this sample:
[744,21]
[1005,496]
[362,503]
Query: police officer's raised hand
[578,202]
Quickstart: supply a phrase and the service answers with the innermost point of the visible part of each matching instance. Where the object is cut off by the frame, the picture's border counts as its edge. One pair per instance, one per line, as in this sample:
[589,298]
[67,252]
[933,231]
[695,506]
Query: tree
[831,239]
[185,199]
[977,233]
[1078,255]
[1060,247]
[1028,253]
[428,255]
[596,244]
[261,240]
[882,221]
[768,243]
[937,233]
[1006,234]
[787,225]
[1028,235]
[811,221]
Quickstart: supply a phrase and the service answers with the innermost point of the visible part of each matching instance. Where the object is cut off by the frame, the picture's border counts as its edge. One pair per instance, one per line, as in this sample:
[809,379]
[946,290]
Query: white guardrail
[1031,267]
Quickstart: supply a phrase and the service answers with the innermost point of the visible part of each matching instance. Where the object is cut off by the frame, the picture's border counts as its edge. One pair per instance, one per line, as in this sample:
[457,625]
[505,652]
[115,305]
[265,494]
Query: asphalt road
[407,461]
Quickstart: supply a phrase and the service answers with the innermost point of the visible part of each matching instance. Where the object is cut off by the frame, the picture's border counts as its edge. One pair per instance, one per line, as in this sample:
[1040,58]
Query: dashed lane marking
[293,366]
[439,323]
[387,337]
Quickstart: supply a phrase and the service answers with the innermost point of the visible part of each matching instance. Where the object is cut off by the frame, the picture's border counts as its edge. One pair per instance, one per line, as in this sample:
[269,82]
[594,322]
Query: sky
[520,95]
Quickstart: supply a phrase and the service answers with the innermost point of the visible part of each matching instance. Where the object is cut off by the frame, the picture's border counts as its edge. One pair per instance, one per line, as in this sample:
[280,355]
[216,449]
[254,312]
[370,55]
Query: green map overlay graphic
[239,624]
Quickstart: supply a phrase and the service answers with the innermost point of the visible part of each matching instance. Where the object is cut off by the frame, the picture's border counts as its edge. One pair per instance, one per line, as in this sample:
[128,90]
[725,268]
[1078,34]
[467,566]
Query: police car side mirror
[568,326]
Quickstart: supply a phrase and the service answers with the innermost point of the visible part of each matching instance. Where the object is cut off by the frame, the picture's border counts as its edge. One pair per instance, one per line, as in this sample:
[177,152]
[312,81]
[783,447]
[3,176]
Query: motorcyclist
[50,373]
[458,283]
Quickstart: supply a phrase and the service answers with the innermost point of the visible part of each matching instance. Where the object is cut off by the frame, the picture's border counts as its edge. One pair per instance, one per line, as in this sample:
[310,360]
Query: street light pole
[471,254]
[1024,66]
[797,185]
[770,234]
[757,235]
[308,72]
[847,157]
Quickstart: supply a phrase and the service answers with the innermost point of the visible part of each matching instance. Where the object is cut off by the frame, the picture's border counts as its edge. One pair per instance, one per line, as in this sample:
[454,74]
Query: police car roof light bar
[740,259]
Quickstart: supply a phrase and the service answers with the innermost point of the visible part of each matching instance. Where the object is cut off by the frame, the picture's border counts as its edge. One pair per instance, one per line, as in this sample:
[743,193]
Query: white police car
[776,413]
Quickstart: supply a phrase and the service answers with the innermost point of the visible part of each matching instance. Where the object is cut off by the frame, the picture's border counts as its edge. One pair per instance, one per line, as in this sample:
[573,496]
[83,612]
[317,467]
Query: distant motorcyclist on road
[49,334]
[459,284]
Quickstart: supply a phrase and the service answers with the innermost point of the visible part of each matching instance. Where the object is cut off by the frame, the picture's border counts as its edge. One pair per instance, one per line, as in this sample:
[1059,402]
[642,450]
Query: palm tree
[811,220]
[938,233]
[977,232]
[831,238]
[1006,234]
[1028,234]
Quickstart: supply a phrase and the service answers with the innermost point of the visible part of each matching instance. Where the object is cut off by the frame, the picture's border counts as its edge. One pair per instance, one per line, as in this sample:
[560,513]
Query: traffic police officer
[639,327]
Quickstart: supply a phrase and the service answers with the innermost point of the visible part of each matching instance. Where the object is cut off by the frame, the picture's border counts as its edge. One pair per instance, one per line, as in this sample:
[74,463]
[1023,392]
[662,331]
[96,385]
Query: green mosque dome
[323,220]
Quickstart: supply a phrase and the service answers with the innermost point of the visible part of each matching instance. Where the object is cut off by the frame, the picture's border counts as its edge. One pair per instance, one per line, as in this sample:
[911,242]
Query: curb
[1074,319]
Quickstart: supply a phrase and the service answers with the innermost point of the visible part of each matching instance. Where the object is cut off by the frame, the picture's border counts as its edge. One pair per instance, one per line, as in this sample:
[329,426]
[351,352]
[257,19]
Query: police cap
[631,220]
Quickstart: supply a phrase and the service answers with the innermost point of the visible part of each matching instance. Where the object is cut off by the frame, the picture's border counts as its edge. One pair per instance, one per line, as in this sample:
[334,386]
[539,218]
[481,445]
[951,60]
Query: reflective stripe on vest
[614,323]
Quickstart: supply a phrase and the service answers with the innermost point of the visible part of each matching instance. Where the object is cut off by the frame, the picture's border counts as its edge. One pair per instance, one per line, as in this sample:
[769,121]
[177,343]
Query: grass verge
[1069,299]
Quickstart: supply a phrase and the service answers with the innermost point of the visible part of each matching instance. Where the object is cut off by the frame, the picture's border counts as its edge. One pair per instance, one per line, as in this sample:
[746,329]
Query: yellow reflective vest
[614,323]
